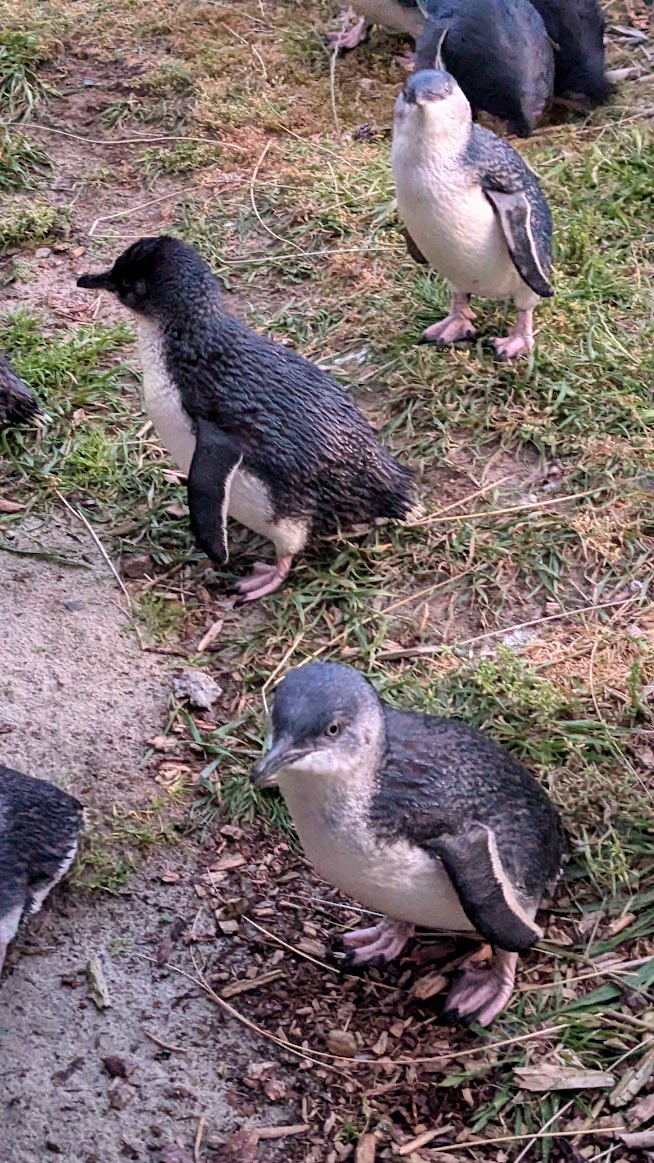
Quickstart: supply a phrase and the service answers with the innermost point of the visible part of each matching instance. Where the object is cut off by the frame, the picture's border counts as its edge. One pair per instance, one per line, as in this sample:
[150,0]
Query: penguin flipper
[514,213]
[414,250]
[215,461]
[474,866]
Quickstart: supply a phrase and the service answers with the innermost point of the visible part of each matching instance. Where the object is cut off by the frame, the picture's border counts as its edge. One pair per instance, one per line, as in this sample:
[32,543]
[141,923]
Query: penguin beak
[100,282]
[282,754]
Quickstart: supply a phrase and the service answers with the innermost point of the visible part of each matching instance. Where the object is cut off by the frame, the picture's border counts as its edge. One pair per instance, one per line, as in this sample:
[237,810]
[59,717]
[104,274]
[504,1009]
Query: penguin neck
[343,786]
[433,139]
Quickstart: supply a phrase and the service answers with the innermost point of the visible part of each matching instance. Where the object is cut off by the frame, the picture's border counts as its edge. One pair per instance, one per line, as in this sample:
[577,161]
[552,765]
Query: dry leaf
[226,862]
[116,1067]
[97,984]
[342,1043]
[638,1138]
[641,1112]
[7,506]
[633,1081]
[551,1077]
[620,923]
[429,986]
[366,1149]
[247,983]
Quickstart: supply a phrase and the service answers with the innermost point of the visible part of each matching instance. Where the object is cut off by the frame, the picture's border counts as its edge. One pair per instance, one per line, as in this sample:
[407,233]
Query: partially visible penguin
[576,28]
[498,51]
[263,435]
[17,403]
[401,15]
[472,209]
[39,826]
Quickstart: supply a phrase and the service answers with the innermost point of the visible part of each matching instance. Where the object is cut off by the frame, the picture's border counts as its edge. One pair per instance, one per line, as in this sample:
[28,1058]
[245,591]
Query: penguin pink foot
[264,579]
[384,941]
[349,38]
[457,326]
[480,995]
[519,341]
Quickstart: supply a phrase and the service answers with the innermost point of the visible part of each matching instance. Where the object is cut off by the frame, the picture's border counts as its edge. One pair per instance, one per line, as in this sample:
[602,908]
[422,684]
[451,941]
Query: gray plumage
[39,826]
[17,403]
[472,209]
[421,818]
[255,411]
[499,52]
[501,170]
[576,28]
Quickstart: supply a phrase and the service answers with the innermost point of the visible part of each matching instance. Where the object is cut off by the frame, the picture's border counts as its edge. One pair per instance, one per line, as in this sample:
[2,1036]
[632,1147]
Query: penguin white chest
[391,877]
[248,502]
[451,221]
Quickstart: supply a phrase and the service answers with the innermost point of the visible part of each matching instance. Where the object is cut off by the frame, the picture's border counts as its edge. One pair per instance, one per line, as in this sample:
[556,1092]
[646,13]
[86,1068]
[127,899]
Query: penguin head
[156,276]
[433,97]
[327,723]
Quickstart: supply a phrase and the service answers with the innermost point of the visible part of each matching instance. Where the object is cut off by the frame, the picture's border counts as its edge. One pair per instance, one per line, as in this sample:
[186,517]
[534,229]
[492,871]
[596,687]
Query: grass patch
[22,163]
[21,86]
[28,222]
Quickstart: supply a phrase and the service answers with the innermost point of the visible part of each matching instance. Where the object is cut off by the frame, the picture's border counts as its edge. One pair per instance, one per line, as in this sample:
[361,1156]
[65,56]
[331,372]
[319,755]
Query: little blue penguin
[39,826]
[472,209]
[576,28]
[423,819]
[262,434]
[498,51]
[17,404]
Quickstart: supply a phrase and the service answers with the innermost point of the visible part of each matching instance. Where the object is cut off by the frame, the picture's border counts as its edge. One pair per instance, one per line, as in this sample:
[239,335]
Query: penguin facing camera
[39,826]
[423,819]
[472,208]
[498,51]
[263,435]
[17,403]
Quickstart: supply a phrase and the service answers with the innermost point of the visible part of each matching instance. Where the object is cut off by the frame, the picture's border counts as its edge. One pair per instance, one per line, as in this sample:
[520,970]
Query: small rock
[342,1043]
[136,565]
[199,688]
[74,606]
[43,252]
[116,1067]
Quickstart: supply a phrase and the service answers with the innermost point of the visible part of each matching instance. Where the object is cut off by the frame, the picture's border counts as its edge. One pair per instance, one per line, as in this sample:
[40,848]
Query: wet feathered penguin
[263,435]
[39,826]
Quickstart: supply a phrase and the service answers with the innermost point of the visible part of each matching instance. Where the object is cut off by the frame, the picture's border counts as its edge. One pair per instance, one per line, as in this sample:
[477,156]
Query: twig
[521,1138]
[45,555]
[291,948]
[332,88]
[319,1057]
[252,48]
[208,638]
[198,1139]
[554,1118]
[142,206]
[82,518]
[281,1132]
[436,518]
[164,1045]
[135,140]
[253,201]
[412,651]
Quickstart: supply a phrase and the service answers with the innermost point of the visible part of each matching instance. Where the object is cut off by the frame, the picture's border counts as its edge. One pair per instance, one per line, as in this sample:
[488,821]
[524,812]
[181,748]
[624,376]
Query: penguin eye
[333,730]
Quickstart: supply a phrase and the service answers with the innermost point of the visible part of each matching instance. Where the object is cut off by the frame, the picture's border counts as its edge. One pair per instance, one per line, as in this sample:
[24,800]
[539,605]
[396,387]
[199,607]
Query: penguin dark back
[498,51]
[576,28]
[262,434]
